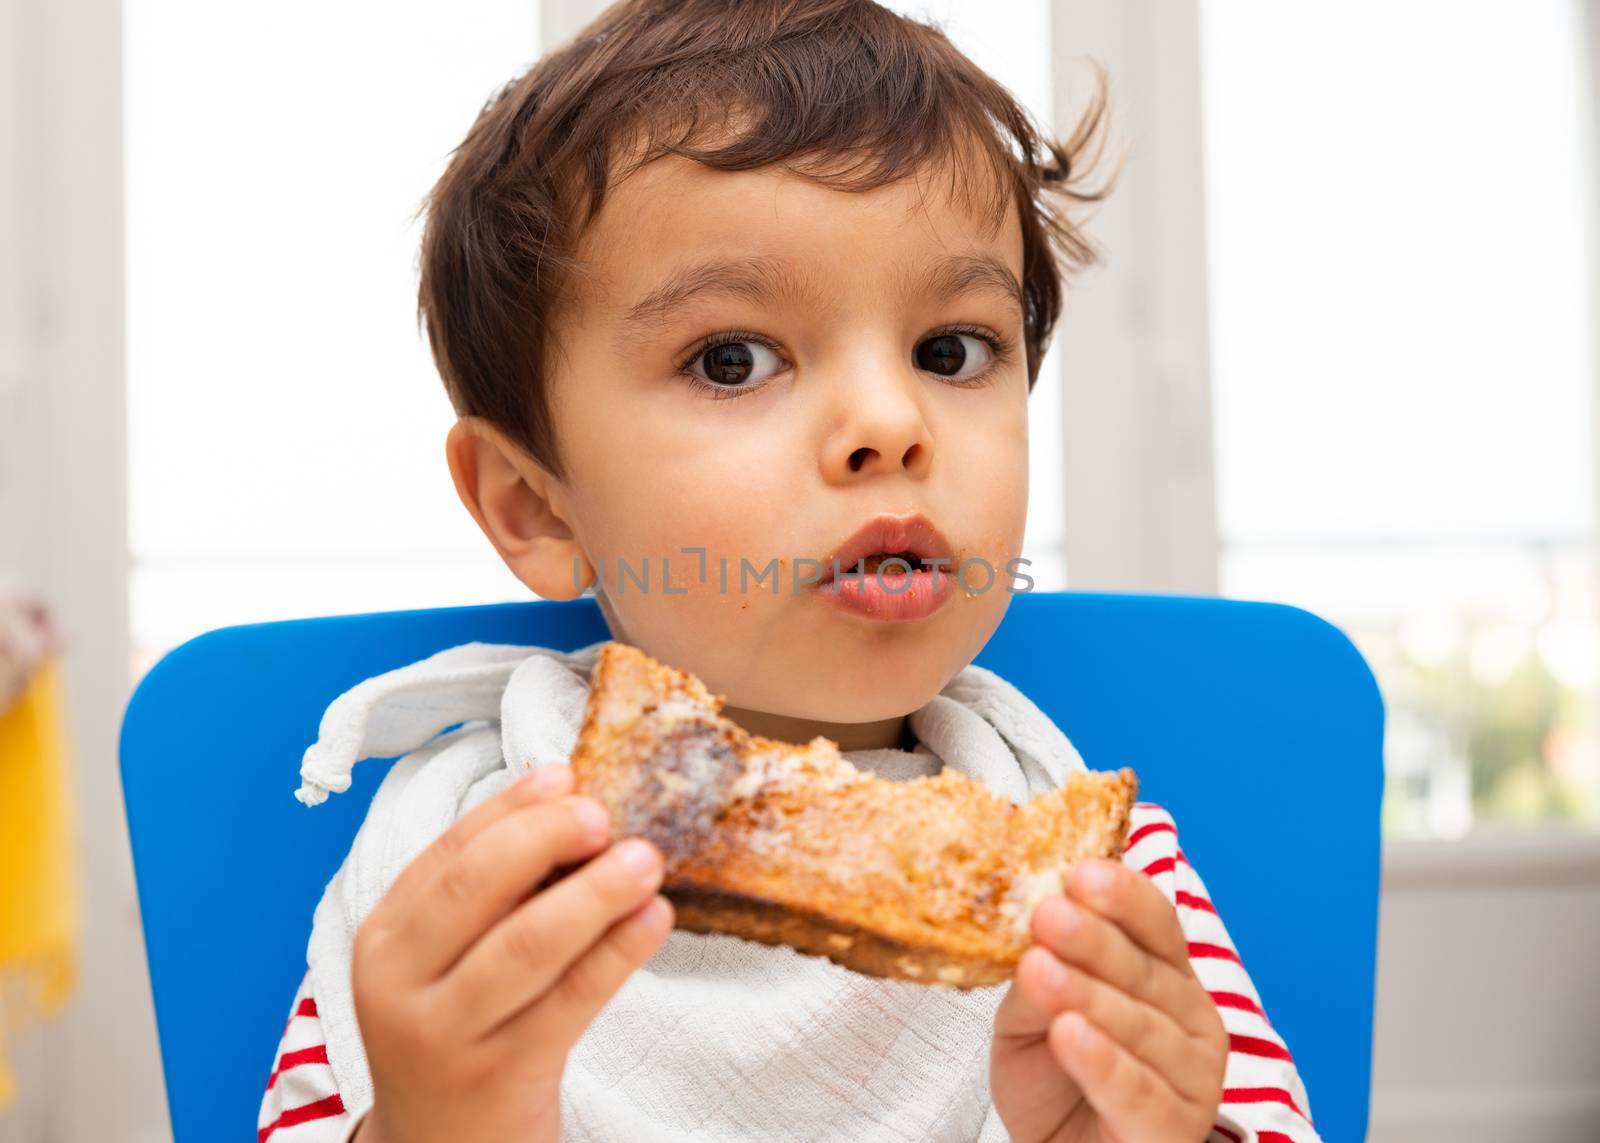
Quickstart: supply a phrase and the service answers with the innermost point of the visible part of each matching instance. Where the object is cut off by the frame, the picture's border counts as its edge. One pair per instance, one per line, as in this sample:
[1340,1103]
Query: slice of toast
[928,880]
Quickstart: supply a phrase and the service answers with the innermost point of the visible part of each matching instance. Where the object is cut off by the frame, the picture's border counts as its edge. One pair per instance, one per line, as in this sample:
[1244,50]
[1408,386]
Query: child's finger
[542,784]
[523,956]
[1191,1066]
[1026,1010]
[474,887]
[1082,937]
[1131,900]
[1036,996]
[590,982]
[1132,1101]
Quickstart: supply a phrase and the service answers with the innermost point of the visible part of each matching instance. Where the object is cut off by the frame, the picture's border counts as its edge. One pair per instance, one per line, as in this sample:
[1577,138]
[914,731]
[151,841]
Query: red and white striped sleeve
[1263,1098]
[302,1102]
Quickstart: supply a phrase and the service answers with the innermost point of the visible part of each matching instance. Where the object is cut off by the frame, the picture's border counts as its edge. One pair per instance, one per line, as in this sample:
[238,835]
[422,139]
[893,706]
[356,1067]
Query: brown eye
[729,364]
[733,364]
[952,355]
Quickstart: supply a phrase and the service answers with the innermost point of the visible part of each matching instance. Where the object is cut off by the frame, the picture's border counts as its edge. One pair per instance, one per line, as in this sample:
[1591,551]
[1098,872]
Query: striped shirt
[1263,1099]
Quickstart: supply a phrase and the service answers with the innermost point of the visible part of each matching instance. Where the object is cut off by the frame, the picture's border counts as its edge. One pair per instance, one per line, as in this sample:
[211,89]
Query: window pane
[1489,660]
[1403,369]
[282,403]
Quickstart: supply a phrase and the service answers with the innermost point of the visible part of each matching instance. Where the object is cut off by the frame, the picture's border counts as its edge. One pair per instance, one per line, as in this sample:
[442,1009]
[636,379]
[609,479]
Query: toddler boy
[726,294]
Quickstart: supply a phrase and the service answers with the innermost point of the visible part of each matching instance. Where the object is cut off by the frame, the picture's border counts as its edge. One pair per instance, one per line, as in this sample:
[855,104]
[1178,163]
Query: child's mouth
[890,586]
[872,563]
[891,568]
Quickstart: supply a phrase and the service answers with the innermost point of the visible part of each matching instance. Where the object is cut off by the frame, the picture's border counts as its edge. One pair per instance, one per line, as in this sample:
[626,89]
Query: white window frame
[1134,338]
[63,516]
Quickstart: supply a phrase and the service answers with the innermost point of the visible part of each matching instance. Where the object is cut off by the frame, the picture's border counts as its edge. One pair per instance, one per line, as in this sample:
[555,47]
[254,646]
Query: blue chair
[1258,725]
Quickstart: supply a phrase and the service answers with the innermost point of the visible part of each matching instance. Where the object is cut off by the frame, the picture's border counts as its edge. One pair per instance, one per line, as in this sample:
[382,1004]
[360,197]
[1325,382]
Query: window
[286,423]
[1402,304]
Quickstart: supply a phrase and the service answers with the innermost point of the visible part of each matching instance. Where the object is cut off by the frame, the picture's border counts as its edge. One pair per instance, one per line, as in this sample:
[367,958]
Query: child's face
[834,416]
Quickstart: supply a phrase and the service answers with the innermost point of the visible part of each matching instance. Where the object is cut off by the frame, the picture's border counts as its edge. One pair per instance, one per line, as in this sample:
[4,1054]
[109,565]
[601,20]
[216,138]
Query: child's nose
[881,426]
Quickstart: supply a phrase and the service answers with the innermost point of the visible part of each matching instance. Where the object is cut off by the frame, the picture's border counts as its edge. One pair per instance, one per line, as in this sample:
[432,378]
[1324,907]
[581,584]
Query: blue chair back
[1259,726]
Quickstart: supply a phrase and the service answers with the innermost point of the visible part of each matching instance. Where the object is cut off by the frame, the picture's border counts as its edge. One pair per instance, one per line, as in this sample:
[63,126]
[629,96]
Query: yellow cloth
[38,899]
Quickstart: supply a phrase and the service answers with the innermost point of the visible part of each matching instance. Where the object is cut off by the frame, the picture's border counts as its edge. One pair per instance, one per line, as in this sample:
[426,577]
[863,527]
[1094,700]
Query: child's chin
[865,688]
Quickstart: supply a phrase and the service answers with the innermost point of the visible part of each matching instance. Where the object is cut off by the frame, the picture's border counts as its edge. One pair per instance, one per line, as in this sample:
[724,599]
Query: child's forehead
[674,218]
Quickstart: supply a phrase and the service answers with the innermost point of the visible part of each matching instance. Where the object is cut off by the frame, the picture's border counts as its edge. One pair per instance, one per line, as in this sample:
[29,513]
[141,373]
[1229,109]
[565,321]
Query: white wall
[1488,1015]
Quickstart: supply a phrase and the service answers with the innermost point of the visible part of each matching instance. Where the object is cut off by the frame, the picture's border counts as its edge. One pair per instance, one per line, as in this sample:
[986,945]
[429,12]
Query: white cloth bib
[715,1037]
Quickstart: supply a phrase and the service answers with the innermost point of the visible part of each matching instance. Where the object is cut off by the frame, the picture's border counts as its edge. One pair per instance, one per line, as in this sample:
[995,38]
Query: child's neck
[892,733]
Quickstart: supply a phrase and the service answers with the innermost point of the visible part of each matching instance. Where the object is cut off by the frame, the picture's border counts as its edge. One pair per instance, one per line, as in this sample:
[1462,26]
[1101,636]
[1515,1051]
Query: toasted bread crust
[928,880]
[856,948]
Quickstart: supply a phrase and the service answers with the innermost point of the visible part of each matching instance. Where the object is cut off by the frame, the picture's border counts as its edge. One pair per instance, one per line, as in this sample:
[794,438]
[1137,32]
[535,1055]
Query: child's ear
[519,506]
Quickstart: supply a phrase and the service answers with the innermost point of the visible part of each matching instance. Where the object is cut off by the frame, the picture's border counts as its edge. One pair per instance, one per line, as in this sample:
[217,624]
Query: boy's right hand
[473,979]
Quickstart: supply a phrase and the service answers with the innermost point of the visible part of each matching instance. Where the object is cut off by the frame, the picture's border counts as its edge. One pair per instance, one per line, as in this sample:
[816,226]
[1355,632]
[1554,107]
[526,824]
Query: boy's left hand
[1123,1045]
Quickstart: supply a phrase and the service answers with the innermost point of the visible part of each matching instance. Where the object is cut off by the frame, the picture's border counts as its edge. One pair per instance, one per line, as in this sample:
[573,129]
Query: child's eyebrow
[761,280]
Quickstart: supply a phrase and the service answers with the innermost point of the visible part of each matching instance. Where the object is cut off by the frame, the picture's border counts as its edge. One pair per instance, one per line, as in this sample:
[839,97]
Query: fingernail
[1055,975]
[1097,880]
[1083,1034]
[591,814]
[636,856]
[549,778]
[1069,917]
